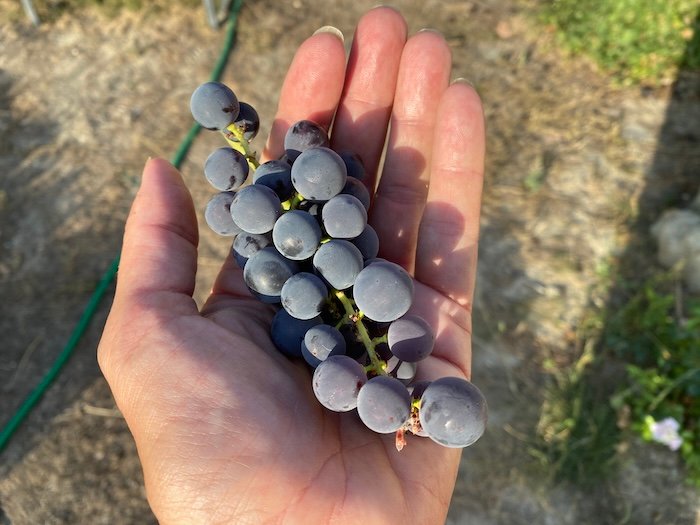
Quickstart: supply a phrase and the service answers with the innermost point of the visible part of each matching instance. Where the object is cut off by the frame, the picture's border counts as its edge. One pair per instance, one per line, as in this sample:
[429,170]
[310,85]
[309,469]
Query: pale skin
[227,428]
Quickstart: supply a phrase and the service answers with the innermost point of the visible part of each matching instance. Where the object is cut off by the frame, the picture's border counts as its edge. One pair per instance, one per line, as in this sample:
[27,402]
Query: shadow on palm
[239,412]
[256,416]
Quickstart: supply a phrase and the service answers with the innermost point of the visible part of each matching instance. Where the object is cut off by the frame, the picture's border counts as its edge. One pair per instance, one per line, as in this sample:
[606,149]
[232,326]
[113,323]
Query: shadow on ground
[598,451]
[41,267]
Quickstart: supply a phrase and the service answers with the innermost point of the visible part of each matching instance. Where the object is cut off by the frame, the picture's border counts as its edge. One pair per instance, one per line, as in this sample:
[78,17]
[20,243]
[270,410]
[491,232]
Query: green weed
[657,335]
[578,426]
[639,373]
[638,41]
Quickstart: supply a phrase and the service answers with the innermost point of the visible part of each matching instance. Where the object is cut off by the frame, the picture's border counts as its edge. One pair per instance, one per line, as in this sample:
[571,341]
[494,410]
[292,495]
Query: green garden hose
[33,398]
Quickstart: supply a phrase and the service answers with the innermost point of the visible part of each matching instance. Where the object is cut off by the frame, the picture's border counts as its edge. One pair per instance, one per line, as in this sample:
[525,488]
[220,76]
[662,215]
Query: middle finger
[370,81]
[423,77]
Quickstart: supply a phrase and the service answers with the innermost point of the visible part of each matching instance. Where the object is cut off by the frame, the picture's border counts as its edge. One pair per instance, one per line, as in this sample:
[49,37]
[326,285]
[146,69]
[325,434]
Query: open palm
[227,428]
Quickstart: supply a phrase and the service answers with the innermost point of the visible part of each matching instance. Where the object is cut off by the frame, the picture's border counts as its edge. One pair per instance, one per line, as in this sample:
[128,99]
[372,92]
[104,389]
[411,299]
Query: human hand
[227,428]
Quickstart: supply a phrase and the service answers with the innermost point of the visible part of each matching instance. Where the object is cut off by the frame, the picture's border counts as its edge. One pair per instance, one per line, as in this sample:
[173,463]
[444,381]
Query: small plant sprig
[657,333]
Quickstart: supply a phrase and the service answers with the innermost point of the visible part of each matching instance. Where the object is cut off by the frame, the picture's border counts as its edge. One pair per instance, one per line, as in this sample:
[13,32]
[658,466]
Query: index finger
[311,89]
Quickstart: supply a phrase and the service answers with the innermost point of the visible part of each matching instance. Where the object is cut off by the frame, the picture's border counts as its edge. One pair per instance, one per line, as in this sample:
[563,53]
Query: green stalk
[377,365]
[235,136]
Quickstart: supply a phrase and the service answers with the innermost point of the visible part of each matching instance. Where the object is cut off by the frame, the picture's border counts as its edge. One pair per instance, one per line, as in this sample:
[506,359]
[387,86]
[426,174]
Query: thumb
[158,262]
[159,253]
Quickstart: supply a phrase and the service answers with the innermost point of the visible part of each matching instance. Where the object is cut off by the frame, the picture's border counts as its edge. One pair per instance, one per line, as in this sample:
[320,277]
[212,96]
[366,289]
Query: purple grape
[267,270]
[303,295]
[344,217]
[226,169]
[411,338]
[383,291]
[384,404]
[337,382]
[277,176]
[214,105]
[353,163]
[217,214]
[405,372]
[255,209]
[339,262]
[319,174]
[296,235]
[321,342]
[304,135]
[453,412]
[246,244]
[248,120]
[368,243]
[287,332]
[358,190]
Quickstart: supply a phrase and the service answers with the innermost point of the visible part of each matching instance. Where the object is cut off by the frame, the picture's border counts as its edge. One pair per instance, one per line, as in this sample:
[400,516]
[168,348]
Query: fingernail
[332,30]
[430,30]
[378,6]
[462,80]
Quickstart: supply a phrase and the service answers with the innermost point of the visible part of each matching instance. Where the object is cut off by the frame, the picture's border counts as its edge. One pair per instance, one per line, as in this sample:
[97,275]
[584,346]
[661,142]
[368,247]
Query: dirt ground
[573,163]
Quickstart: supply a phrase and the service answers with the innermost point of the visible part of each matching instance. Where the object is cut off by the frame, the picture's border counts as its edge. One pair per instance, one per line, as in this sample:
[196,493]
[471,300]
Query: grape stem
[293,202]
[355,316]
[236,139]
[296,200]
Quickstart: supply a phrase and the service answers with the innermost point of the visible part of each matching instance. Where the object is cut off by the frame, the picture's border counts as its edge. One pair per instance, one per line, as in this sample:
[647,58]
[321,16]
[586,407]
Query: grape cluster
[302,239]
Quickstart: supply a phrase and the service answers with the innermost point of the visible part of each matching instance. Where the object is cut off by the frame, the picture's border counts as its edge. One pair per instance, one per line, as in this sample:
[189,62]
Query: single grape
[383,291]
[337,381]
[288,333]
[405,372]
[320,342]
[358,190]
[214,105]
[354,165]
[304,135]
[217,214]
[339,262]
[319,174]
[246,244]
[226,169]
[296,235]
[303,295]
[248,120]
[368,243]
[453,412]
[411,338]
[344,217]
[384,404]
[267,270]
[255,209]
[277,176]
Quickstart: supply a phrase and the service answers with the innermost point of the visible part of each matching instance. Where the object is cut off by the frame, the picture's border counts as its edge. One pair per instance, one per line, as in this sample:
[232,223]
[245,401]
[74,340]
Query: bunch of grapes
[302,239]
